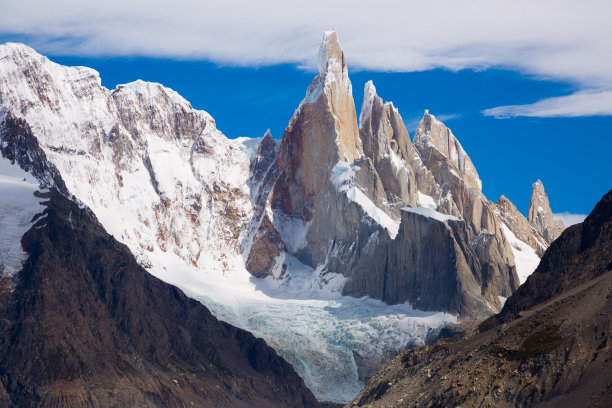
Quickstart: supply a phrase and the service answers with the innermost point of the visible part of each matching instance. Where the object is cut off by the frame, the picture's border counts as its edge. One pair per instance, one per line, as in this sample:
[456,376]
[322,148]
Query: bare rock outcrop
[322,131]
[540,215]
[518,224]
[431,264]
[386,142]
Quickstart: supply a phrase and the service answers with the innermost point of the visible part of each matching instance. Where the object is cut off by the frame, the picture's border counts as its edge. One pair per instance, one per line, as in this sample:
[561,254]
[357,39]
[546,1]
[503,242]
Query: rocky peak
[262,164]
[322,132]
[540,215]
[383,122]
[371,101]
[386,142]
[454,173]
[518,224]
[266,152]
[147,107]
[334,85]
[330,52]
[431,133]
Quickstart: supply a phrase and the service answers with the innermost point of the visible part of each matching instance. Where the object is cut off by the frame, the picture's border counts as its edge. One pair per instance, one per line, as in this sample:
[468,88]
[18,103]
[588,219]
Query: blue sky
[543,67]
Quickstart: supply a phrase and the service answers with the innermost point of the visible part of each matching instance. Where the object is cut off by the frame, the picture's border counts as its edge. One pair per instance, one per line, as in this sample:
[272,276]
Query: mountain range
[341,244]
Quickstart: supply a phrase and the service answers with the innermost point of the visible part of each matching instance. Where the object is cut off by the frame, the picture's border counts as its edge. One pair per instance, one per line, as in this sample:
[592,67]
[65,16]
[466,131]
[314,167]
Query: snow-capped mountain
[157,173]
[284,239]
[84,325]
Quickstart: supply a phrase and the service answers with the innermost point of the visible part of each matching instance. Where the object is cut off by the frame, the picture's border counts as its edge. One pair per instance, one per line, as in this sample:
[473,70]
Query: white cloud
[557,39]
[583,103]
[569,218]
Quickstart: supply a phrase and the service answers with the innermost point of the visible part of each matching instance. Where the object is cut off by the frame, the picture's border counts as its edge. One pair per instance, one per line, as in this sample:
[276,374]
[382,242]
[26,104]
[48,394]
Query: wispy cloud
[569,218]
[583,103]
[555,39]
[447,117]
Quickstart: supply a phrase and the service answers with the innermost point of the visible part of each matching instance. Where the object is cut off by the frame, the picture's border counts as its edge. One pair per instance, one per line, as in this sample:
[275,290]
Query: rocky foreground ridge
[549,346]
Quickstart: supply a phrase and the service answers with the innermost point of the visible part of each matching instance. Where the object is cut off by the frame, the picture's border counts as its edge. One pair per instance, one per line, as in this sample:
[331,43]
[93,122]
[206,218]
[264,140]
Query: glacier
[309,323]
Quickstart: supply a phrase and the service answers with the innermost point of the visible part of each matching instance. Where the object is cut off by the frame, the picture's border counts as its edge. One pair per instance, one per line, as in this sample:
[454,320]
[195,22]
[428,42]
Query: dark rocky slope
[83,325]
[550,346]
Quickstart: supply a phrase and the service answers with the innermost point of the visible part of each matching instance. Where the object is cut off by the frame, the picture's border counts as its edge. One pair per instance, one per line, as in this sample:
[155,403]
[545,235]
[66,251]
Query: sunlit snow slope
[525,257]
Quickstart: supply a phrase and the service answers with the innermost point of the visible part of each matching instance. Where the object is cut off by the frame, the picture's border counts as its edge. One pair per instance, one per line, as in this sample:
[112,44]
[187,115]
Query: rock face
[322,132]
[337,194]
[549,345]
[386,142]
[429,263]
[540,215]
[519,225]
[83,324]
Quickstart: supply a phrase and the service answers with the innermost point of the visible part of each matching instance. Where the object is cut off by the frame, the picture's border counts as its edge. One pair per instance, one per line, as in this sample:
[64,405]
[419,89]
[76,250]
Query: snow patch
[248,145]
[426,201]
[342,177]
[291,229]
[343,174]
[18,206]
[431,213]
[357,196]
[314,91]
[525,257]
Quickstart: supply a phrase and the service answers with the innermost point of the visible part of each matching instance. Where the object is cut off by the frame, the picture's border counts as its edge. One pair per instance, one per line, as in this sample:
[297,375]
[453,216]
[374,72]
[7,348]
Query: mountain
[549,346]
[323,243]
[84,325]
[540,215]
[399,221]
[519,226]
